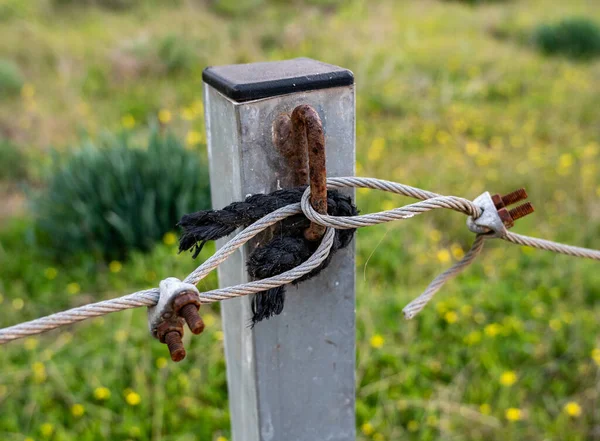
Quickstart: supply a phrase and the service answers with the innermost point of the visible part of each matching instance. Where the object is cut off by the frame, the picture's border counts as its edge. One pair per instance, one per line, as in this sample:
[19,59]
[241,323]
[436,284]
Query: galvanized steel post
[291,378]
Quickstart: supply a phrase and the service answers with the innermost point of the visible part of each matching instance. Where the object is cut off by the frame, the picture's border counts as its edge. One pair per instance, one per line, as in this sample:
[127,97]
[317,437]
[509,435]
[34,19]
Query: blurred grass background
[451,96]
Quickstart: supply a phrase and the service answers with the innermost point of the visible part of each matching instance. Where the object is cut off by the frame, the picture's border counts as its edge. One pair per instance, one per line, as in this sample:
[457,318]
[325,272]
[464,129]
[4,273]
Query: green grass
[442,104]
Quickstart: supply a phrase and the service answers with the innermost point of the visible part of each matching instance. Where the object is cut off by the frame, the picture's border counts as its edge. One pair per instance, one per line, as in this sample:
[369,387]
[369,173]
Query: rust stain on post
[297,157]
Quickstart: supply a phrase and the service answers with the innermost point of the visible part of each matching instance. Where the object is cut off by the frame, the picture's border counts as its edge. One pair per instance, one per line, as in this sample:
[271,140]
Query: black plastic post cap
[245,82]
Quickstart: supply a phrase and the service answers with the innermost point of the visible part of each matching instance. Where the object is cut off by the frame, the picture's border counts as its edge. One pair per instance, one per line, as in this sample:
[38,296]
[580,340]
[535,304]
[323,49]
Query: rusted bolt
[521,211]
[506,218]
[514,197]
[509,199]
[307,133]
[175,345]
[171,333]
[186,305]
[509,217]
[497,200]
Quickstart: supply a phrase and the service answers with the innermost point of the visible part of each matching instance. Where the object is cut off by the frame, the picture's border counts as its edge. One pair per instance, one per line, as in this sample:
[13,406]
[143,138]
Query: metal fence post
[291,378]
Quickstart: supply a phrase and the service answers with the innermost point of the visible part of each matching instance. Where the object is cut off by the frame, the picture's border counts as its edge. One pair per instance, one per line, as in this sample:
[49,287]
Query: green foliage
[176,54]
[146,57]
[478,2]
[112,198]
[13,164]
[236,7]
[108,4]
[11,78]
[575,37]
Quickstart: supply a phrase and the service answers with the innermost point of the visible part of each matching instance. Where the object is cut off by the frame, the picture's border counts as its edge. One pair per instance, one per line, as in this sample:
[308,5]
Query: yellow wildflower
[596,356]
[492,329]
[161,362]
[221,438]
[572,409]
[120,336]
[209,319]
[378,437]
[457,251]
[198,107]
[513,414]
[508,378]
[39,372]
[367,429]
[538,311]
[170,239]
[412,426]
[50,273]
[565,162]
[435,235]
[377,341]
[164,116]
[193,138]
[443,255]
[443,137]
[77,410]
[31,343]
[128,121]
[432,421]
[102,393]
[472,148]
[485,409]
[451,317]
[555,324]
[133,398]
[473,338]
[47,430]
[18,304]
[187,113]
[388,205]
[73,288]
[115,266]
[219,336]
[376,150]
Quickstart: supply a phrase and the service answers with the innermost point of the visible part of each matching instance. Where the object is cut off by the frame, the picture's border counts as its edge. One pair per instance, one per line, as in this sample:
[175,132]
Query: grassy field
[451,97]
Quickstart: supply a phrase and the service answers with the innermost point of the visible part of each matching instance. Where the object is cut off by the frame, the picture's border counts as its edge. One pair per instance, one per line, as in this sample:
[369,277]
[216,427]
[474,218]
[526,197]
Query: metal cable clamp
[179,302]
[496,218]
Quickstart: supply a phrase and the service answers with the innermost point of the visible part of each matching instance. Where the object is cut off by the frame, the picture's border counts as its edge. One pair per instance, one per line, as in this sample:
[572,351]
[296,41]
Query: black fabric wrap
[287,249]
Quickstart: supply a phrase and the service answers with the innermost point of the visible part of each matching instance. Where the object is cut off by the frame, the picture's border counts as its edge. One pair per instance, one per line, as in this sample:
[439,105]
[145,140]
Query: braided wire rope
[429,201]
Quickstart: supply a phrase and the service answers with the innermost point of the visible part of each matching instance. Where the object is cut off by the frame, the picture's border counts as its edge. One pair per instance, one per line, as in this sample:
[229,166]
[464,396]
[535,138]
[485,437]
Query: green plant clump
[577,38]
[176,54]
[13,164]
[107,4]
[11,79]
[112,198]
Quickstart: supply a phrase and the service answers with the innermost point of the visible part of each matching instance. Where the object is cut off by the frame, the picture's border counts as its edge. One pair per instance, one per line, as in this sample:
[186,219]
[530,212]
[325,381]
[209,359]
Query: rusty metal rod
[307,133]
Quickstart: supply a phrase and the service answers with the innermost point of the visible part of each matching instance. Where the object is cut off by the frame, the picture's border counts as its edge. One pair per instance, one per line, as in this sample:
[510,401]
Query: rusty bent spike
[307,133]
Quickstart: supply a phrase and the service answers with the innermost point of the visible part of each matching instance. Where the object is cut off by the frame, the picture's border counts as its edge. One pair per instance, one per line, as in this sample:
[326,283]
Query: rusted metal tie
[295,137]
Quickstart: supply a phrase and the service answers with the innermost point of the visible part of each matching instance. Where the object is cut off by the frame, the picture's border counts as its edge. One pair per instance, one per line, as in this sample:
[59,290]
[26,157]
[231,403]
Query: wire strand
[429,201]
